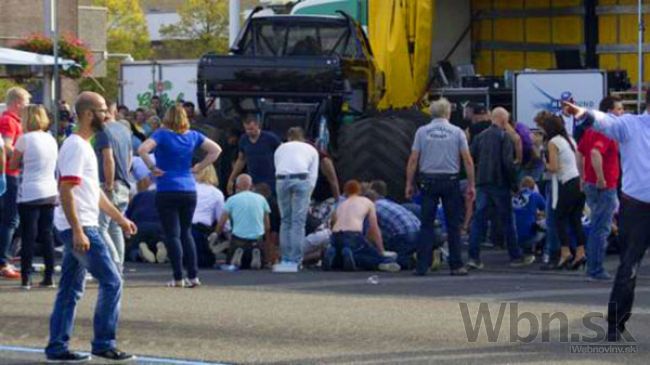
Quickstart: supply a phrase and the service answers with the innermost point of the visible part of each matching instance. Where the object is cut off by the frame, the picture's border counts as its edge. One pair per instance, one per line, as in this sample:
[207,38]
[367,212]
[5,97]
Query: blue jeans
[99,263]
[404,245]
[9,221]
[110,230]
[293,201]
[502,200]
[603,203]
[433,190]
[176,209]
[366,256]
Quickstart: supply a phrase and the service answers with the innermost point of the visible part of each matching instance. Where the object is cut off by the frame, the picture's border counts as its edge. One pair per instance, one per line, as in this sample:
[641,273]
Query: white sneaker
[285,267]
[192,283]
[389,267]
[161,253]
[146,253]
[236,257]
[256,259]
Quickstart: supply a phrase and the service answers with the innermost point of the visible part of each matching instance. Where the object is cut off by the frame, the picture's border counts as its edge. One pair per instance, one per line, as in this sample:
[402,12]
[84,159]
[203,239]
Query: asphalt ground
[316,317]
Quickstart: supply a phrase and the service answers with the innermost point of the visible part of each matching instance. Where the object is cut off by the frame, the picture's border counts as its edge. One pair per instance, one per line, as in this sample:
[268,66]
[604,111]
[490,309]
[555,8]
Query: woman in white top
[209,207]
[569,201]
[37,191]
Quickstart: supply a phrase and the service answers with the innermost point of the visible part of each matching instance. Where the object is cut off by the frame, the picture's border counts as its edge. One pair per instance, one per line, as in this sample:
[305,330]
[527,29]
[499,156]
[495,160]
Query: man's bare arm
[373,231]
[108,165]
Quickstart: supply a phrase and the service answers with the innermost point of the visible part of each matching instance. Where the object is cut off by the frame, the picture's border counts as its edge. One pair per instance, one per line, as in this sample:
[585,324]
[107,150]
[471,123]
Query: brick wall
[20,18]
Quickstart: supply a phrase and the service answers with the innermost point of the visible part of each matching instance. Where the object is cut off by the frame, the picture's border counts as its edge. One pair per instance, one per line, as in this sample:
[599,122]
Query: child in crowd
[527,205]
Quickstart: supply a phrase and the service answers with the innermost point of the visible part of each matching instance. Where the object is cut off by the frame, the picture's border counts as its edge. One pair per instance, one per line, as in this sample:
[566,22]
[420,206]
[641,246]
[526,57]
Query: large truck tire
[378,147]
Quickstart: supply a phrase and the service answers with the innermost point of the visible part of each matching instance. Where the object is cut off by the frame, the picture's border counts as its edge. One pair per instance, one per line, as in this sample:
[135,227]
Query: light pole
[640,55]
[233,21]
[53,30]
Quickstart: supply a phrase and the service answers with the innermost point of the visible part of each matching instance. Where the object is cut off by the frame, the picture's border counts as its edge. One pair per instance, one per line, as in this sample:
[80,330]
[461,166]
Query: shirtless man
[350,249]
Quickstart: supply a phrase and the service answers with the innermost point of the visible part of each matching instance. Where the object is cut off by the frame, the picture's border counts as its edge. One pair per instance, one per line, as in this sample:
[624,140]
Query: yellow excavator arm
[400,33]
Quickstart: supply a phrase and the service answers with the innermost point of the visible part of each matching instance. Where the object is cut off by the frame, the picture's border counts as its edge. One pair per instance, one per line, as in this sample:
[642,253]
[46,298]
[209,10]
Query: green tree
[127,33]
[203,27]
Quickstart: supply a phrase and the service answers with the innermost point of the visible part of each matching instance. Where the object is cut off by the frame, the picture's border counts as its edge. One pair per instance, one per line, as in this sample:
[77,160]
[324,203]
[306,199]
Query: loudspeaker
[568,59]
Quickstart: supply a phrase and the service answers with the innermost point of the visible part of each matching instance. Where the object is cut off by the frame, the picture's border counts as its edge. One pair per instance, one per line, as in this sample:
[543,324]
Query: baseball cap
[566,96]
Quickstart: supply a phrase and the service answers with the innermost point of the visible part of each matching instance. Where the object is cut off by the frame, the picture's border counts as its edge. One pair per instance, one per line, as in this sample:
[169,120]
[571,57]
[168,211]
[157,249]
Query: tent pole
[54,31]
[640,60]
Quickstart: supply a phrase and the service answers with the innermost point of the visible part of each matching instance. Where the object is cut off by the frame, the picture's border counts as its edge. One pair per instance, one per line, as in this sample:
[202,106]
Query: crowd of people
[142,186]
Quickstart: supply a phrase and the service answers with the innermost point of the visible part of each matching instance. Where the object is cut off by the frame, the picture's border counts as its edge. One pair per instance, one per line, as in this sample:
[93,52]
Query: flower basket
[70,48]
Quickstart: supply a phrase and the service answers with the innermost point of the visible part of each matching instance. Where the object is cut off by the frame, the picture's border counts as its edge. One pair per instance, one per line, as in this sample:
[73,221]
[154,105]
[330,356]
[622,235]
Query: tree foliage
[127,33]
[203,27]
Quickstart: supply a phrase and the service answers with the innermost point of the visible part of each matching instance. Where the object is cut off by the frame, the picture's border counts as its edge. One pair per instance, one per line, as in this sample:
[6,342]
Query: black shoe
[47,283]
[114,356]
[67,357]
[578,264]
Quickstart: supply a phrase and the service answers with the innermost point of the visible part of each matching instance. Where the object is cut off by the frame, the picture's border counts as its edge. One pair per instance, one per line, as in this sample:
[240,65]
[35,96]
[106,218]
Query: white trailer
[171,80]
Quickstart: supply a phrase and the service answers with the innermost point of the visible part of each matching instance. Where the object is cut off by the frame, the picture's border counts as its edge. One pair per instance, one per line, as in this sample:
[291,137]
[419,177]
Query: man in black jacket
[494,157]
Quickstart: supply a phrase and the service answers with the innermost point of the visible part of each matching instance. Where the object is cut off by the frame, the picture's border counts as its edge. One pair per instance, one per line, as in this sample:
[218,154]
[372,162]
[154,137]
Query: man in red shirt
[10,127]
[600,170]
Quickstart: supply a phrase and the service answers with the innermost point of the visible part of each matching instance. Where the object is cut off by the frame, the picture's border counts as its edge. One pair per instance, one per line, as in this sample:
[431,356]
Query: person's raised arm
[614,127]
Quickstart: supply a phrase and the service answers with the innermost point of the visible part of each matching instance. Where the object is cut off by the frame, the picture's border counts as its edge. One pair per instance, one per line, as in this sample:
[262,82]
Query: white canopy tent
[9,56]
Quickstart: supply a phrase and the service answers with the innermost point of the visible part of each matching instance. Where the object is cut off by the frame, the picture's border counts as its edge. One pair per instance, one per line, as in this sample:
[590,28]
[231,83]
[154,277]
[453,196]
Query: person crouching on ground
[249,216]
[350,249]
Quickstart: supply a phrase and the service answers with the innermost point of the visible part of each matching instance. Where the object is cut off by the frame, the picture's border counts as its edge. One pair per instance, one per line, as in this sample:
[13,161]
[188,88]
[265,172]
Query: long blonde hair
[176,119]
[208,176]
[35,118]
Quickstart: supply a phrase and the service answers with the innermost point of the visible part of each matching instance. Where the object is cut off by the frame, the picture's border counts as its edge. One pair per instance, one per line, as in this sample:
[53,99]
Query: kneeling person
[349,248]
[249,216]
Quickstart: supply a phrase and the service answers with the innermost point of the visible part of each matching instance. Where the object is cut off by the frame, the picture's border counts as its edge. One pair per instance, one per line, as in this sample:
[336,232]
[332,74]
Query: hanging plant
[70,47]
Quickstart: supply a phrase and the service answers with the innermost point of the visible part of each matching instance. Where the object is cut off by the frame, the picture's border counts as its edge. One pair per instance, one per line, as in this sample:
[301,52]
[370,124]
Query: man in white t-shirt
[296,172]
[77,221]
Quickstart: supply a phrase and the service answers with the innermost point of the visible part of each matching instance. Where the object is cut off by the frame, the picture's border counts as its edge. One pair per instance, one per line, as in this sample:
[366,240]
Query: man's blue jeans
[502,200]
[366,255]
[99,263]
[9,221]
[602,203]
[110,230]
[404,245]
[433,190]
[293,201]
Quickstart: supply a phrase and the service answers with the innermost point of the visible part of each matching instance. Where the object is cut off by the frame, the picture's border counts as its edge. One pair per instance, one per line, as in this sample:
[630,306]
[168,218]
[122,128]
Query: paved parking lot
[341,318]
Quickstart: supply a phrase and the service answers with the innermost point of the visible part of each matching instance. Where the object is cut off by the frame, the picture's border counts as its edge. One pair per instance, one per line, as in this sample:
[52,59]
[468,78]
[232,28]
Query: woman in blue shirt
[173,148]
